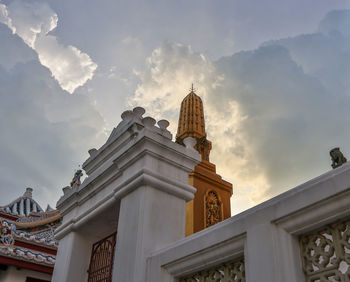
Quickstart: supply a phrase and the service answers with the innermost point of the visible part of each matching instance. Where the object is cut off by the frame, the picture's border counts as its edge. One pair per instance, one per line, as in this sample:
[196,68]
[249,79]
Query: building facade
[126,222]
[27,245]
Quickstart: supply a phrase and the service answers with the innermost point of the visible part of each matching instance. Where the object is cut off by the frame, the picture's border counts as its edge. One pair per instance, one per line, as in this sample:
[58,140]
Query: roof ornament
[28,193]
[76,178]
[337,157]
[6,233]
[49,208]
[192,89]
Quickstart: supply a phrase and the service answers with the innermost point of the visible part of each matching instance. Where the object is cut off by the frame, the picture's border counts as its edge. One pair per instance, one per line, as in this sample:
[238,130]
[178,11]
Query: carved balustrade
[326,253]
[227,272]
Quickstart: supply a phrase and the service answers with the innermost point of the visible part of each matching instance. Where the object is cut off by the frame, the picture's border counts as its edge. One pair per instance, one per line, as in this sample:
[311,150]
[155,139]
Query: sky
[273,76]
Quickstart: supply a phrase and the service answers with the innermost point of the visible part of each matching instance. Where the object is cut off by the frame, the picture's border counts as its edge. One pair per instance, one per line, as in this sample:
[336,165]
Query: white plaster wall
[13,274]
[266,235]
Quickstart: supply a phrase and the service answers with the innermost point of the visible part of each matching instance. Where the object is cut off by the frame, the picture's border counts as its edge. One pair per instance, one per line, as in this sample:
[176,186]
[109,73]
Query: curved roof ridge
[23,205]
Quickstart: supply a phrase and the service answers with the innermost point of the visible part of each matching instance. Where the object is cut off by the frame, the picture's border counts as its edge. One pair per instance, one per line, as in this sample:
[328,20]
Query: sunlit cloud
[33,21]
[265,109]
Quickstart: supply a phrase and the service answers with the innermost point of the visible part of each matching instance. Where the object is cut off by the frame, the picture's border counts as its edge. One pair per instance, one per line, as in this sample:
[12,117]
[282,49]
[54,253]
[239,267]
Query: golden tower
[211,203]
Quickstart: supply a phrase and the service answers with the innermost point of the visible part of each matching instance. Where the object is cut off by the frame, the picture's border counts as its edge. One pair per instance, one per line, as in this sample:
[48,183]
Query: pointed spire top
[49,208]
[191,119]
[192,89]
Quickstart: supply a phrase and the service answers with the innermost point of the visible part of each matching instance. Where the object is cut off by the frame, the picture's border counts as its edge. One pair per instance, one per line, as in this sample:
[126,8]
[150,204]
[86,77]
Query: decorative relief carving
[227,272]
[213,209]
[6,233]
[326,253]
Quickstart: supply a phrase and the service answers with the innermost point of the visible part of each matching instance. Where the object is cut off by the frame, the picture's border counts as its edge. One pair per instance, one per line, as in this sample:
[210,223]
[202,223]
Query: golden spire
[191,123]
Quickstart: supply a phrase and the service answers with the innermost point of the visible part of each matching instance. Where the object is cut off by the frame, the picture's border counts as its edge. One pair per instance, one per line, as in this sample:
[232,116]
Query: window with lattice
[101,262]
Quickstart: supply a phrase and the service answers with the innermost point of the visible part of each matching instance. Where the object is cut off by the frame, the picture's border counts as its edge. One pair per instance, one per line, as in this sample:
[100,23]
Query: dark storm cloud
[294,94]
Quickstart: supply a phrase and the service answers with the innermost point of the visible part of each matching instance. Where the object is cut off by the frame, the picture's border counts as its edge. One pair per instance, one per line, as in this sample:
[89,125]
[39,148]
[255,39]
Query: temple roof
[27,237]
[28,255]
[38,218]
[23,205]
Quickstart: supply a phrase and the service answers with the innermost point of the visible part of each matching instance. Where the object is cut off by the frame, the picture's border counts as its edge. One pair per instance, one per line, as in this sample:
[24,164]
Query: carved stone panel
[213,209]
[326,253]
[227,272]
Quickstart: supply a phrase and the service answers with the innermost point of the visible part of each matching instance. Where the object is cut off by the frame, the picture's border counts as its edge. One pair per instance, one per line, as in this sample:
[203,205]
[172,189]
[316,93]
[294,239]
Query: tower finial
[192,88]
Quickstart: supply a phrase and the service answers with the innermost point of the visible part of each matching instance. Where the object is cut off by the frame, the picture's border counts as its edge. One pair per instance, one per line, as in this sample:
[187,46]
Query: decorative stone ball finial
[148,122]
[138,112]
[163,124]
[190,142]
[127,115]
[337,157]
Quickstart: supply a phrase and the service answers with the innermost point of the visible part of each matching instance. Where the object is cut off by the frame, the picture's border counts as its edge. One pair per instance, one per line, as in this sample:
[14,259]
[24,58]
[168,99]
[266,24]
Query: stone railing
[226,272]
[326,253]
[302,235]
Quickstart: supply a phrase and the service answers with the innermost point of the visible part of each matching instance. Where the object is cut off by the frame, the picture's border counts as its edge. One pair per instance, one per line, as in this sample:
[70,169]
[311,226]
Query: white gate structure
[137,187]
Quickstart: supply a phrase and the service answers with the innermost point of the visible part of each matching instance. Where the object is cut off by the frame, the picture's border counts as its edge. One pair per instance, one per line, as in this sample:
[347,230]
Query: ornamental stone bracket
[138,176]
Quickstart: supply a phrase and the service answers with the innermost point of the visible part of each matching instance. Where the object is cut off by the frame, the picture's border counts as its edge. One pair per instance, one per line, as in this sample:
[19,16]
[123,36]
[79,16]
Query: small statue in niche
[76,179]
[337,157]
[213,209]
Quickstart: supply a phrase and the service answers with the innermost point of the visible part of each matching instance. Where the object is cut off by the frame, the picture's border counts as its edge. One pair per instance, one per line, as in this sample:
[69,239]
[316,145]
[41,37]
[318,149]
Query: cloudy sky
[273,75]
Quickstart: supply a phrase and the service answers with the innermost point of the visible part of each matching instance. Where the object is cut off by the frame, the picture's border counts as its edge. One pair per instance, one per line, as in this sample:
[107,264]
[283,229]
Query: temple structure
[27,245]
[211,203]
[126,221]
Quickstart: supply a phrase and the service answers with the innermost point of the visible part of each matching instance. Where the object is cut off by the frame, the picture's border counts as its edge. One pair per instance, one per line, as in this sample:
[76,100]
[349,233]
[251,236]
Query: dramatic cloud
[45,132]
[272,113]
[33,21]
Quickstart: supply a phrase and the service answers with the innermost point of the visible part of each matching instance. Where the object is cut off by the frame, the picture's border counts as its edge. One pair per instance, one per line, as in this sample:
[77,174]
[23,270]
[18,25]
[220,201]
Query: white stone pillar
[271,254]
[148,220]
[72,260]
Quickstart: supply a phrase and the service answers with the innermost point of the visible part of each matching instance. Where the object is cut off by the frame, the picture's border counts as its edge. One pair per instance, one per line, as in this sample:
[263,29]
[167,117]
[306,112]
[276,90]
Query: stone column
[149,219]
[271,254]
[72,258]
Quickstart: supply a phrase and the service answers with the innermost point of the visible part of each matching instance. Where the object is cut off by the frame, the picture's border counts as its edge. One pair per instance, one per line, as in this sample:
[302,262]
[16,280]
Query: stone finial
[138,112]
[163,124]
[190,142]
[337,157]
[149,122]
[28,192]
[127,115]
